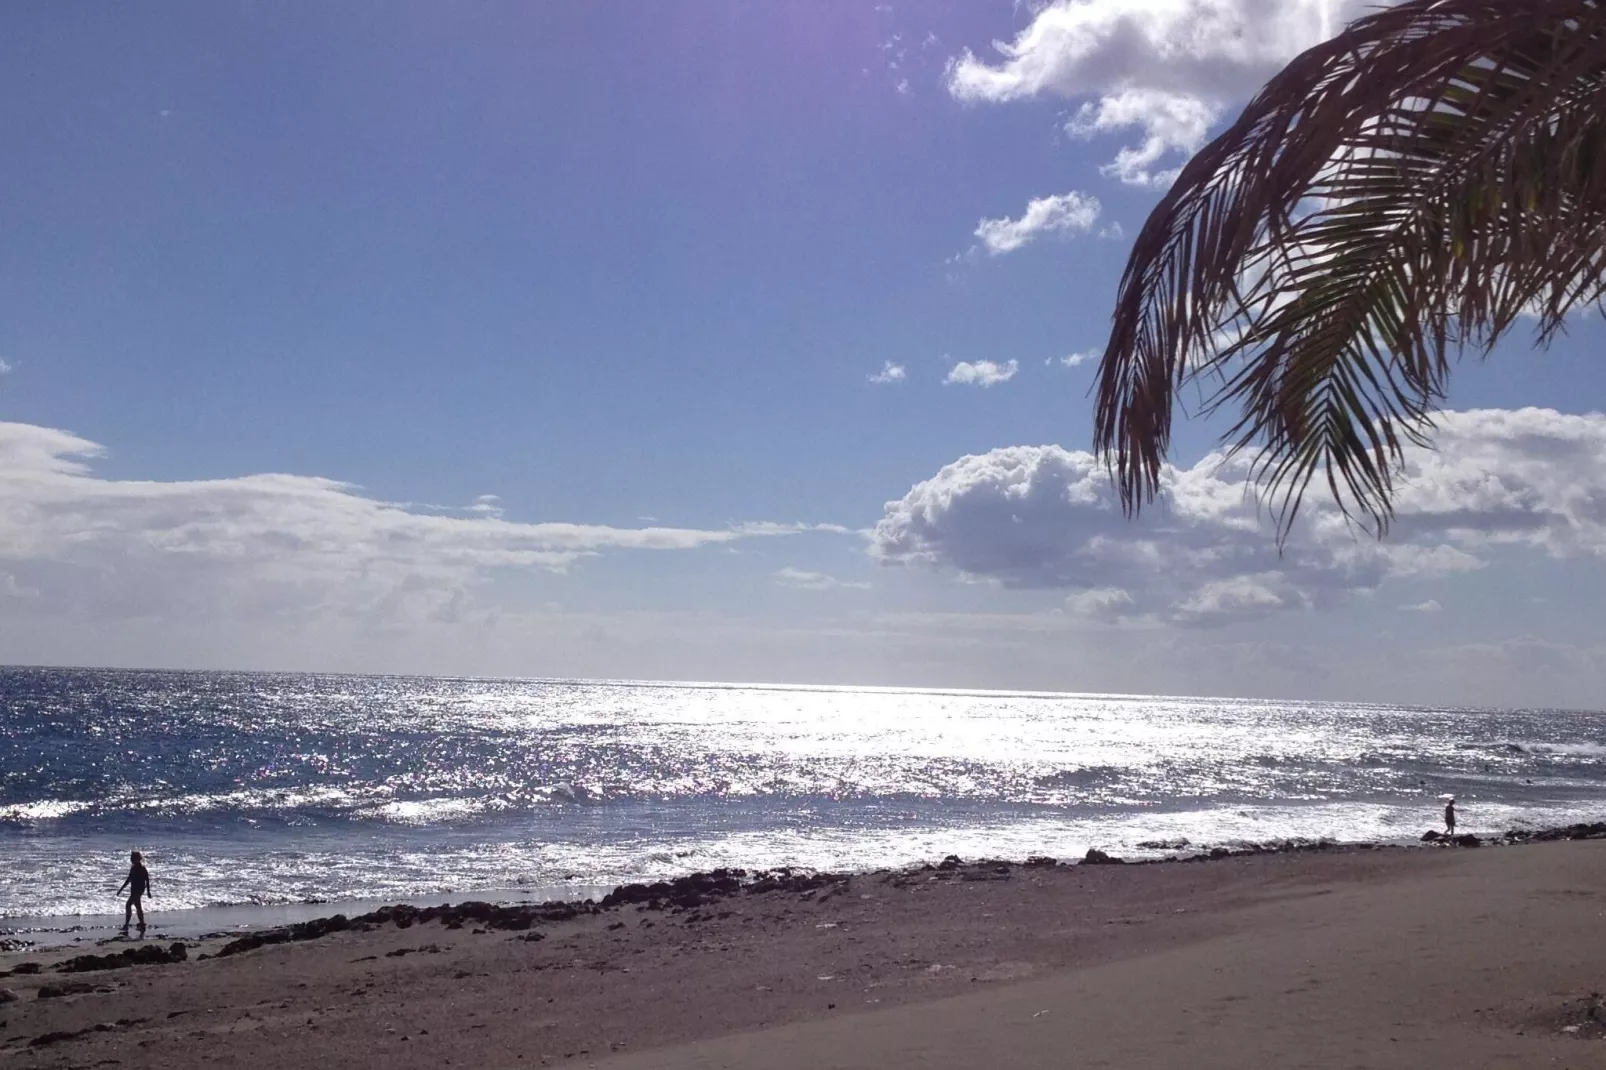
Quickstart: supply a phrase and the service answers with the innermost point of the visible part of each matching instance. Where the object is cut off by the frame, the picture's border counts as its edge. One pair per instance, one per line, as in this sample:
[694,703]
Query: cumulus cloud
[1174,127]
[1076,360]
[1430,606]
[1045,517]
[6,368]
[1168,68]
[269,545]
[889,373]
[1063,214]
[811,581]
[982,373]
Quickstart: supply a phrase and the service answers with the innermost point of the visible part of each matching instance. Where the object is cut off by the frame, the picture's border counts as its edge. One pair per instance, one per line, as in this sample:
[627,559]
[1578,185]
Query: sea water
[267,791]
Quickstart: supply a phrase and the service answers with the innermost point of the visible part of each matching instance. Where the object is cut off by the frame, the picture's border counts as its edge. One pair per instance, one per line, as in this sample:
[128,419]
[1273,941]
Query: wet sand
[1437,957]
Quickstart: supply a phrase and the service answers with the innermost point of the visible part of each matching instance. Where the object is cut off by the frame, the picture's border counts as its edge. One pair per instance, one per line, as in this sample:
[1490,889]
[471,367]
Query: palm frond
[1398,194]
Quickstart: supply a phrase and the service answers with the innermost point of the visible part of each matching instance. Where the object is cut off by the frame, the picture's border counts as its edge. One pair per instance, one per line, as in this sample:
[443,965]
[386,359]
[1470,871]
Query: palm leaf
[1403,192]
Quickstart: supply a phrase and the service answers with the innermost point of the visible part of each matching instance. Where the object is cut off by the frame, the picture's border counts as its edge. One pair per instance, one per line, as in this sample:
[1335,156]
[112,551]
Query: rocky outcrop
[403,915]
[688,891]
[1593,831]
[145,955]
[1466,839]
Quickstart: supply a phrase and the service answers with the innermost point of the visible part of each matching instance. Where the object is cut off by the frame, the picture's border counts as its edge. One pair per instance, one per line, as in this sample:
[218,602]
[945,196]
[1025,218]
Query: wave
[1562,750]
[1088,776]
[358,803]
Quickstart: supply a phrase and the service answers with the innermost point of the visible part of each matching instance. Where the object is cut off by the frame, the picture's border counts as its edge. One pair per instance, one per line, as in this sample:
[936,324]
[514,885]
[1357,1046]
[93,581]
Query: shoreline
[207,924]
[1261,958]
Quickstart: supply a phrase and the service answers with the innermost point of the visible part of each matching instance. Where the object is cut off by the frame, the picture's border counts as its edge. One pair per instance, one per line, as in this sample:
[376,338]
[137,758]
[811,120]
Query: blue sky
[633,266]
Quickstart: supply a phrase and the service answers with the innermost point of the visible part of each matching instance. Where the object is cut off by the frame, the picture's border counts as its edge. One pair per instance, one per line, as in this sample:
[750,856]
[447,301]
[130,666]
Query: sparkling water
[258,788]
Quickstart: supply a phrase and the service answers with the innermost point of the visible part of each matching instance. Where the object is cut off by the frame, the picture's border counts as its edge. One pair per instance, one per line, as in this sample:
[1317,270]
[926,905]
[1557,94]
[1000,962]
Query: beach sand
[1422,958]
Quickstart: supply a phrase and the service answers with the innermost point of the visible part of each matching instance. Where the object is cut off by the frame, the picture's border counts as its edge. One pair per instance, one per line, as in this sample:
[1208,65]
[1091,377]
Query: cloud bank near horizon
[269,545]
[282,571]
[1042,517]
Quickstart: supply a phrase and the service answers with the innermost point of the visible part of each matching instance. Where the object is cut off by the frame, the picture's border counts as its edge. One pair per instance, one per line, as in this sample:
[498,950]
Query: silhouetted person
[138,883]
[1449,818]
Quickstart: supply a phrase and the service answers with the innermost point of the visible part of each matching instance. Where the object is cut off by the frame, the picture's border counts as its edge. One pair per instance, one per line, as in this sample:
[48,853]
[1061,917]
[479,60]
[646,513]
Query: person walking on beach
[1449,817]
[138,883]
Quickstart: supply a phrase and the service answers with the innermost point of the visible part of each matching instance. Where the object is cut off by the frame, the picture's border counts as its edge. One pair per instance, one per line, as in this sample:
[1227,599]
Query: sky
[739,340]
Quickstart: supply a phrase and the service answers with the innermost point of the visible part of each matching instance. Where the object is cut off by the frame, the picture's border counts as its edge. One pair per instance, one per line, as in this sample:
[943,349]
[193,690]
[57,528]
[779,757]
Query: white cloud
[271,545]
[1109,604]
[1167,67]
[903,87]
[1046,517]
[1430,606]
[6,368]
[487,505]
[1174,126]
[982,373]
[1063,214]
[1076,360]
[772,527]
[889,373]
[1113,232]
[812,581]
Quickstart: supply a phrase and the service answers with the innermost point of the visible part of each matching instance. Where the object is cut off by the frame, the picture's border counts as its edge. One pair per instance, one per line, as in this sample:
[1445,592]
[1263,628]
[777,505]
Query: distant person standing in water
[1449,817]
[138,883]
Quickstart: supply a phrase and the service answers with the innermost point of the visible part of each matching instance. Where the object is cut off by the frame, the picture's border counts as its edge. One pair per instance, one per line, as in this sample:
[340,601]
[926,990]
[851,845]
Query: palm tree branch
[1456,145]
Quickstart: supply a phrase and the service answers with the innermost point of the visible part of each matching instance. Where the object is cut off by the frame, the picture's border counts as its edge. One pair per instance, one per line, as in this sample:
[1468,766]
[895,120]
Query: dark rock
[65,988]
[951,862]
[1593,831]
[686,892]
[1431,836]
[45,1039]
[1096,857]
[787,879]
[1165,845]
[23,968]
[1466,839]
[306,930]
[147,955]
[404,916]
[8,996]
[426,949]
[1040,862]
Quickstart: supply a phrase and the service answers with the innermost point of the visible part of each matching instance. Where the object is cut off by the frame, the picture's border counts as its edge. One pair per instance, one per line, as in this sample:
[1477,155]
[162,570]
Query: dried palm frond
[1395,196]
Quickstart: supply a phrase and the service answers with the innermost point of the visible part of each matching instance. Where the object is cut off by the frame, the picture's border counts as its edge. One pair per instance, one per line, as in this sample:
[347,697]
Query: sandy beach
[1421,957]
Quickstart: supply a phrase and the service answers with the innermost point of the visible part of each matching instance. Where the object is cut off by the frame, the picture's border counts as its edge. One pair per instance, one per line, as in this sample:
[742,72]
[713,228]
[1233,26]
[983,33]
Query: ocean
[255,793]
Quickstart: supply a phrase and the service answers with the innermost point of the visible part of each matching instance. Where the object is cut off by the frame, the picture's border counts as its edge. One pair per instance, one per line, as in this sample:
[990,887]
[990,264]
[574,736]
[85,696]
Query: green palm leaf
[1397,195]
